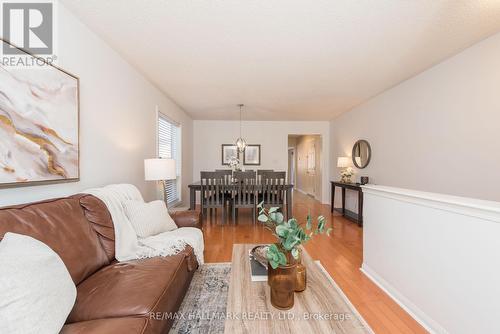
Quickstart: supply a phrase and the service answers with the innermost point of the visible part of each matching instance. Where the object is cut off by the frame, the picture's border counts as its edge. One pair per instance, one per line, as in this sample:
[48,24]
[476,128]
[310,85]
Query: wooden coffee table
[321,308]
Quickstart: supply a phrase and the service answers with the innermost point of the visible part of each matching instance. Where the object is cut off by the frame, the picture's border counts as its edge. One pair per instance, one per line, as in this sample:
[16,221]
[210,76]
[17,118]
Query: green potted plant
[284,254]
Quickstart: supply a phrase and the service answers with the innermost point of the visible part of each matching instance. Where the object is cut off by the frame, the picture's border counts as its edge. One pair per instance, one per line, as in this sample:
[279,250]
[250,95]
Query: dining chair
[260,182]
[260,172]
[244,195]
[273,192]
[228,179]
[213,193]
[228,174]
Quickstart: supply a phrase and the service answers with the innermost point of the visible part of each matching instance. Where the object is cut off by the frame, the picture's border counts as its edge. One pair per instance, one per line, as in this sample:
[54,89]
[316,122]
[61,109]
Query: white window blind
[169,147]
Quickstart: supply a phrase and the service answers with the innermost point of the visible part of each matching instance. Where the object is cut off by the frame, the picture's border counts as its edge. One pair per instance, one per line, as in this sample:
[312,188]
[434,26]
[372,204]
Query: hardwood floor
[341,254]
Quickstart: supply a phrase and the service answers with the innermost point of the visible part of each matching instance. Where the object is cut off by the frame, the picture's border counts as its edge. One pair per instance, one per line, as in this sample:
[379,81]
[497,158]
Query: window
[169,146]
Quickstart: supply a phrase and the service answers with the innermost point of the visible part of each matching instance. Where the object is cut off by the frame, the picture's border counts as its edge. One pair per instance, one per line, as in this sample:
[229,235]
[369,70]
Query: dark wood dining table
[196,187]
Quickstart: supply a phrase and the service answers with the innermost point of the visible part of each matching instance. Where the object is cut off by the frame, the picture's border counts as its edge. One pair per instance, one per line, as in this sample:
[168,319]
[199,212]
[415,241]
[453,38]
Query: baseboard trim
[319,199]
[416,313]
[343,295]
[300,191]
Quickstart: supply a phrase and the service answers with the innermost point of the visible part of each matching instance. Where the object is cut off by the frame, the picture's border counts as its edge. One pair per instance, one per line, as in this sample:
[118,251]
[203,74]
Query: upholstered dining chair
[244,195]
[213,193]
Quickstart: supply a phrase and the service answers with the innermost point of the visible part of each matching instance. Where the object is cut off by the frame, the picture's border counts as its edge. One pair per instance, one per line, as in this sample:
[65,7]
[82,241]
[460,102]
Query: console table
[358,218]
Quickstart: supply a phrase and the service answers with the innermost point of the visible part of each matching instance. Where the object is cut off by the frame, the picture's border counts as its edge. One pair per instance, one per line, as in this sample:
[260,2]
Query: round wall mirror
[361,154]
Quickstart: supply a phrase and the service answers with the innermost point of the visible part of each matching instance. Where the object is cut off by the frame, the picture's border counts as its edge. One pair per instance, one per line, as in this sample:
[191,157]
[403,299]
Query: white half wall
[272,136]
[117,118]
[436,255]
[435,132]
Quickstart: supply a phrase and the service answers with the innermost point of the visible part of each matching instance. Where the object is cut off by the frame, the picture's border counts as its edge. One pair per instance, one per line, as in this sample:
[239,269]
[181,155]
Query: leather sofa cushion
[133,288]
[99,217]
[107,326]
[61,225]
[189,218]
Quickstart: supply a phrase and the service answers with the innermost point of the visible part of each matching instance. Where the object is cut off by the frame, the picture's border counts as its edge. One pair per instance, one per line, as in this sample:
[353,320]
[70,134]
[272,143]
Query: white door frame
[293,167]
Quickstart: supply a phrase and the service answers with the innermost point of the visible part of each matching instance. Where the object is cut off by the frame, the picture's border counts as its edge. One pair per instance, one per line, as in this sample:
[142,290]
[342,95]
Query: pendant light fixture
[240,142]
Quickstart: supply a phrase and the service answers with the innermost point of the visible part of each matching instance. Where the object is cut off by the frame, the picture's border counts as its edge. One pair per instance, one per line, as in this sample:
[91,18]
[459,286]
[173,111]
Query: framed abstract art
[39,125]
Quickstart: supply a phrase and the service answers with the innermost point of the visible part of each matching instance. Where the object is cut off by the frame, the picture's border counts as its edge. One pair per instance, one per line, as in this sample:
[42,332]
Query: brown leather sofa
[112,297]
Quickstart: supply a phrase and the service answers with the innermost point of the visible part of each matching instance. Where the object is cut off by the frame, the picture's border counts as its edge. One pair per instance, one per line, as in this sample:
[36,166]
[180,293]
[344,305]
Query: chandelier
[240,142]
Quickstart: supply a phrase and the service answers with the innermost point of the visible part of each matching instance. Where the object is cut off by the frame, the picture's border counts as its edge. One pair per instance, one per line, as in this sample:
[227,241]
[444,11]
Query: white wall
[117,118]
[436,255]
[438,131]
[273,137]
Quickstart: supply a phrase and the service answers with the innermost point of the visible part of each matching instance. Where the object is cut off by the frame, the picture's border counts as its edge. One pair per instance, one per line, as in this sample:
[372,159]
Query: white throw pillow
[149,219]
[36,290]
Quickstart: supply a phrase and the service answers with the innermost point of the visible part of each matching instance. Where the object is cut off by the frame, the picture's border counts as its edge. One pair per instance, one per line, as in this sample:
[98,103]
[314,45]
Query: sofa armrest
[189,218]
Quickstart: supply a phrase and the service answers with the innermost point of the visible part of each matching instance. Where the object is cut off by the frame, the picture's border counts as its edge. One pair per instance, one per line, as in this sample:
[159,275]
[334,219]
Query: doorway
[304,163]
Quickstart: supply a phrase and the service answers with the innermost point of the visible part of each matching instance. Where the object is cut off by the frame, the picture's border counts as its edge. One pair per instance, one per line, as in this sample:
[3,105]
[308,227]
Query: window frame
[178,158]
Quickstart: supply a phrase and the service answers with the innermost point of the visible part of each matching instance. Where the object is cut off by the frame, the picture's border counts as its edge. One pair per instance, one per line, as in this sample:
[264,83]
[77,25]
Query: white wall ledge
[487,210]
[416,246]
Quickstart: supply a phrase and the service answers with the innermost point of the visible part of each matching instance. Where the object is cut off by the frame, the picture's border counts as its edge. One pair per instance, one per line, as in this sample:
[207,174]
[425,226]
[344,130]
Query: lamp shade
[342,162]
[159,169]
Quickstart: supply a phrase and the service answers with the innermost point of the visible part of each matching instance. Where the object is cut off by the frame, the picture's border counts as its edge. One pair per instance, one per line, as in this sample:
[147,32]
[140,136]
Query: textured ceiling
[285,59]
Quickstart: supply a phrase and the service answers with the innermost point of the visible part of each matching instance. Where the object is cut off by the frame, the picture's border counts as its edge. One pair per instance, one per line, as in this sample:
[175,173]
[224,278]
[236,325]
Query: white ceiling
[285,59]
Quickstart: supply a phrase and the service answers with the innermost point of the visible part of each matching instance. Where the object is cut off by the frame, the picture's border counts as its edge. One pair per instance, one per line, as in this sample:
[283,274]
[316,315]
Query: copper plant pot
[282,281]
[289,259]
[301,275]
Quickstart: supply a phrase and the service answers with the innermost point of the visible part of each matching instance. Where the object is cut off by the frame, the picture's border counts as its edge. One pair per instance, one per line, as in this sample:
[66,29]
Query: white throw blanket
[127,245]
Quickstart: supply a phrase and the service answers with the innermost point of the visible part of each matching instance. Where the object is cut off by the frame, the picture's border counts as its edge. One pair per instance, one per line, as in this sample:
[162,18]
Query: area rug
[204,307]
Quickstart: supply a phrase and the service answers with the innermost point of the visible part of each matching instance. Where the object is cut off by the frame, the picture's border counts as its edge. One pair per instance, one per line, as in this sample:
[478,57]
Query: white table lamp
[160,170]
[342,162]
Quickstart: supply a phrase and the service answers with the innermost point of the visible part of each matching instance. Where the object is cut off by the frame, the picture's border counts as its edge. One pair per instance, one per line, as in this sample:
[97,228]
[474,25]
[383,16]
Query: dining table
[196,187]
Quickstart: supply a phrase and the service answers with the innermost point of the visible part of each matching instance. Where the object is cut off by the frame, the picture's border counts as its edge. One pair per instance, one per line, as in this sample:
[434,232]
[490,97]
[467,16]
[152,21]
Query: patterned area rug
[204,307]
